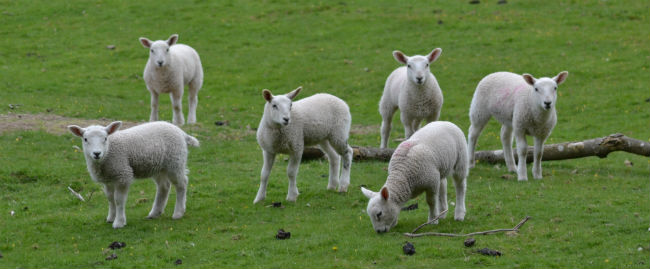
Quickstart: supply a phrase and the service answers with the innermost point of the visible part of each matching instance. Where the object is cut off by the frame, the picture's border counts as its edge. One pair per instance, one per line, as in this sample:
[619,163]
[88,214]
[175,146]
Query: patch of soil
[50,123]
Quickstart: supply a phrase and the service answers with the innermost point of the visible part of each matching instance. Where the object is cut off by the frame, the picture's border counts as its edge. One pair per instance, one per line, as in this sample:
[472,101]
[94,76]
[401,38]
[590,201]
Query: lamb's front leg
[537,160]
[506,142]
[162,193]
[269,158]
[120,195]
[154,106]
[177,107]
[109,190]
[433,196]
[292,172]
[407,122]
[522,148]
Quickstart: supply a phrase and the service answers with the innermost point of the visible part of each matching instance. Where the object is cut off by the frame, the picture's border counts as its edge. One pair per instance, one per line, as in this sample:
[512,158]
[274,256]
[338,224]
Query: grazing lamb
[114,158]
[286,127]
[170,67]
[422,164]
[412,89]
[521,103]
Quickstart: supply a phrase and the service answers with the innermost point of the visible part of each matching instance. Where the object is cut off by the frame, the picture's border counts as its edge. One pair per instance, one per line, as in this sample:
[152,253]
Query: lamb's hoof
[292,198]
[258,199]
[154,215]
[343,188]
[443,216]
[118,225]
[459,216]
[331,187]
[177,215]
[523,179]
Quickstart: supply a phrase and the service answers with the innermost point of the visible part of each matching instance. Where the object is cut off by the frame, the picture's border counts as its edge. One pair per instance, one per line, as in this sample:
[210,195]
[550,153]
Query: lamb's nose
[419,79]
[96,153]
[547,104]
[160,63]
[286,120]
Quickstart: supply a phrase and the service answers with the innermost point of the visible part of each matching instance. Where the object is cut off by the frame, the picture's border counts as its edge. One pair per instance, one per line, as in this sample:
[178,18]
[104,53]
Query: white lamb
[412,89]
[114,158]
[521,103]
[170,67]
[422,164]
[286,127]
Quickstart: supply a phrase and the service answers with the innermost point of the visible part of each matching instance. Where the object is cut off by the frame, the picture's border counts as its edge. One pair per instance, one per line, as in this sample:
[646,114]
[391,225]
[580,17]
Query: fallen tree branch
[515,229]
[600,147]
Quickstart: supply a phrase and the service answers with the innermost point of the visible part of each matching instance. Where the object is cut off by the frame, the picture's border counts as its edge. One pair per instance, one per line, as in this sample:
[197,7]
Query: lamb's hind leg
[433,197]
[179,179]
[460,183]
[335,164]
[193,100]
[506,141]
[162,193]
[346,152]
[387,118]
[442,197]
[475,129]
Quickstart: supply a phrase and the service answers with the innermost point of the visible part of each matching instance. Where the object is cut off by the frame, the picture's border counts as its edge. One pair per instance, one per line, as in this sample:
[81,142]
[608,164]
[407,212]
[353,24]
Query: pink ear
[293,93]
[267,95]
[561,77]
[384,193]
[172,39]
[113,127]
[529,79]
[400,57]
[433,56]
[145,42]
[76,130]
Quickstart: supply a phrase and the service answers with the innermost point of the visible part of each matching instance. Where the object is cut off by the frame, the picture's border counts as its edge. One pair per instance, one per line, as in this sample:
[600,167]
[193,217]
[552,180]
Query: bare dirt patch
[50,123]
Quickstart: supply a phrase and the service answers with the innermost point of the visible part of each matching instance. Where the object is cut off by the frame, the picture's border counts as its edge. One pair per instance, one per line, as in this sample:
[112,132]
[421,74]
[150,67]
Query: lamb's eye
[85,139]
[408,65]
[275,106]
[105,139]
[167,49]
[378,215]
[536,89]
[151,50]
[555,88]
[427,65]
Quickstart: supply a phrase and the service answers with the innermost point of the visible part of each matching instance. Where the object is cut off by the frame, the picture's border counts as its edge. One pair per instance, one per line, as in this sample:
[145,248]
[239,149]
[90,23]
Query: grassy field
[55,66]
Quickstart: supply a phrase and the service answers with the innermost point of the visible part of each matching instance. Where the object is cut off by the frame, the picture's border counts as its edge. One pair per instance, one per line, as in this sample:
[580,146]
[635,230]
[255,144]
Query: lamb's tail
[191,141]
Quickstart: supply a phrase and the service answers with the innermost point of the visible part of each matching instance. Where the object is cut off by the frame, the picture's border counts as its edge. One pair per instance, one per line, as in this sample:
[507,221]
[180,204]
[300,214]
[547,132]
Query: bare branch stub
[514,229]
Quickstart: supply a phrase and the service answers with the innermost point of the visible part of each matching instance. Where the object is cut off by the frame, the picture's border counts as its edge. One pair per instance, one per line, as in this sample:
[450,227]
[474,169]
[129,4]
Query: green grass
[588,212]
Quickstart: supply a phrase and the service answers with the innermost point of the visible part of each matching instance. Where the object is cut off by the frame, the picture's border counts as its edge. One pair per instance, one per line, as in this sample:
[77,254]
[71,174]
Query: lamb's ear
[561,77]
[267,95]
[113,127]
[384,193]
[145,42]
[400,57]
[529,79]
[172,39]
[433,56]
[293,93]
[368,193]
[76,130]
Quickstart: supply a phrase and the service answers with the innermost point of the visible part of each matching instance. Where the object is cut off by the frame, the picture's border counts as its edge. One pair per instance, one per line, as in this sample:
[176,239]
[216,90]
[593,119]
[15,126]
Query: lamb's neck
[398,188]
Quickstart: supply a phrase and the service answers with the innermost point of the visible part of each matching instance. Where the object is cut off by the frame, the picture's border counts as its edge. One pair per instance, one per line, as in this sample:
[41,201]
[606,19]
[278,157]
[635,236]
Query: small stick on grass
[429,222]
[76,194]
[515,229]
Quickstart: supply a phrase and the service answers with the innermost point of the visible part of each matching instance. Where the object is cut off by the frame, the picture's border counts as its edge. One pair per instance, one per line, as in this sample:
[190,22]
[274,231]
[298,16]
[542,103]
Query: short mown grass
[585,213]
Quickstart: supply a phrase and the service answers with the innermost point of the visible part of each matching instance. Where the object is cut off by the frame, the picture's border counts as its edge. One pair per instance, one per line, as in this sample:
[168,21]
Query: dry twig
[76,194]
[429,222]
[515,229]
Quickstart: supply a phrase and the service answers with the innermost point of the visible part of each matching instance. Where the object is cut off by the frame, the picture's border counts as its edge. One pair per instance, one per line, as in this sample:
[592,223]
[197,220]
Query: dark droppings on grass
[489,252]
[1,255]
[408,248]
[474,2]
[410,207]
[469,242]
[178,262]
[111,257]
[277,204]
[221,123]
[117,245]
[283,235]
[502,2]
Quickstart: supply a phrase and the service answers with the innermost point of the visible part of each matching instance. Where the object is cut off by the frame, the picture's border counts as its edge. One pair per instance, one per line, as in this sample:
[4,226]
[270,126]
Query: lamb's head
[95,139]
[277,109]
[417,67]
[159,49]
[383,212]
[545,89]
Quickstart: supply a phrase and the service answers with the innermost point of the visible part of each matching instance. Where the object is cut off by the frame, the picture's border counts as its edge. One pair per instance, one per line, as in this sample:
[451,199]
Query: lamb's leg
[506,141]
[387,118]
[345,174]
[193,100]
[154,106]
[121,193]
[407,122]
[537,162]
[292,172]
[460,183]
[177,107]
[442,197]
[179,179]
[335,164]
[475,129]
[415,125]
[162,193]
[109,190]
[269,158]
[522,148]
[432,201]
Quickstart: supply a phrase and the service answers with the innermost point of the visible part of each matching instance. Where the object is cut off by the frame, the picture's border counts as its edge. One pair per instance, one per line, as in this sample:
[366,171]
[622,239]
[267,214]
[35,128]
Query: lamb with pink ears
[523,105]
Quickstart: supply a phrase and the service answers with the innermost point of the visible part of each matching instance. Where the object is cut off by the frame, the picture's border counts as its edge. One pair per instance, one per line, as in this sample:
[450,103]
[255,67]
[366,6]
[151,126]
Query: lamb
[521,103]
[114,158]
[422,164]
[170,67]
[412,89]
[287,127]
